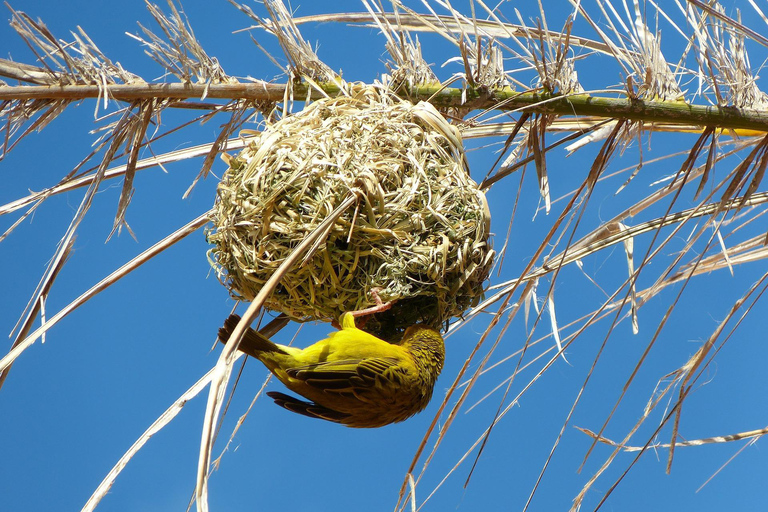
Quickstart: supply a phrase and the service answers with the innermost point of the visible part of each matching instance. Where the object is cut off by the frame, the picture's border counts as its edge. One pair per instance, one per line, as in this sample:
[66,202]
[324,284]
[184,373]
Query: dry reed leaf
[223,368]
[751,434]
[142,258]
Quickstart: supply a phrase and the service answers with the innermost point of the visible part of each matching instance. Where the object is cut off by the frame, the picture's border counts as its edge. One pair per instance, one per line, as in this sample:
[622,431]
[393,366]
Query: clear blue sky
[73,405]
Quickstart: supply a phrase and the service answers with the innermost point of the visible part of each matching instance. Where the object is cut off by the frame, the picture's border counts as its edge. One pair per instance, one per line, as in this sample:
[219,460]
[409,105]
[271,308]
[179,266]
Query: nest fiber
[418,232]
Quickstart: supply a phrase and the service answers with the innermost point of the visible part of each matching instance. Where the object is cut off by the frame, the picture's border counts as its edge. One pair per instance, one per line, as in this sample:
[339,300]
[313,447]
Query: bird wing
[310,409]
[350,375]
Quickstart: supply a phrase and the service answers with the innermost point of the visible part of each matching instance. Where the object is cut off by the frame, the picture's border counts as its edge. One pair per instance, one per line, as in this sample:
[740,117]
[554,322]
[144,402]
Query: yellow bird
[352,377]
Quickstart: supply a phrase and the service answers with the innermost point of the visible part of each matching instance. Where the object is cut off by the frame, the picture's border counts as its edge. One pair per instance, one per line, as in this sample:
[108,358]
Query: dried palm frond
[601,84]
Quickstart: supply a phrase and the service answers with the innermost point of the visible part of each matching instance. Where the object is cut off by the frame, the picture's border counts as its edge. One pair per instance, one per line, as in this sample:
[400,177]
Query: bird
[351,377]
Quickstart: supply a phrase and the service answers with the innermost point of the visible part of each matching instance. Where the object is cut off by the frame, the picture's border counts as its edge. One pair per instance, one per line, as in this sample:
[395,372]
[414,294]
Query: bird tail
[253,343]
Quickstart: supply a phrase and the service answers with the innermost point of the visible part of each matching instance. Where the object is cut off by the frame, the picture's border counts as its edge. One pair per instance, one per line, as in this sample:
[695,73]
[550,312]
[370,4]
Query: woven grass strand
[420,230]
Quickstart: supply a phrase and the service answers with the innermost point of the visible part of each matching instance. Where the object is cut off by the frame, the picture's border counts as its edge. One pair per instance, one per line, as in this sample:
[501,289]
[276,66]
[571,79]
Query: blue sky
[72,406]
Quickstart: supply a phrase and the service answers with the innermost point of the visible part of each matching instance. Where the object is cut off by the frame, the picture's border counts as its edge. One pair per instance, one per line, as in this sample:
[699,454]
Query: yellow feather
[352,377]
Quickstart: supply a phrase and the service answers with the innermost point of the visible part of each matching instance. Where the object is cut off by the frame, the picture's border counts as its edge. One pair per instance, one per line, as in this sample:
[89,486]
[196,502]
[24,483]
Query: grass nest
[419,232]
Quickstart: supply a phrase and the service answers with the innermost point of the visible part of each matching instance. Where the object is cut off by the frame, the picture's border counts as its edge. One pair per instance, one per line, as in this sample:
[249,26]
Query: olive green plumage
[352,377]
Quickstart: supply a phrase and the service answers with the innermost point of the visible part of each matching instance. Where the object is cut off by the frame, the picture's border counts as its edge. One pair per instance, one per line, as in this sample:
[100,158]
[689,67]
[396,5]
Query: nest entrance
[419,232]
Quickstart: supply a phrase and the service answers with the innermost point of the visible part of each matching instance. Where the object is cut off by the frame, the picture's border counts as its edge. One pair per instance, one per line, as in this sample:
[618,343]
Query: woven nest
[419,232]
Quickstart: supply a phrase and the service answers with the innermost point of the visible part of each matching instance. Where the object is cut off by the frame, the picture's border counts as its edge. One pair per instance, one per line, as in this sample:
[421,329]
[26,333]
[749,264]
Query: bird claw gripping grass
[419,230]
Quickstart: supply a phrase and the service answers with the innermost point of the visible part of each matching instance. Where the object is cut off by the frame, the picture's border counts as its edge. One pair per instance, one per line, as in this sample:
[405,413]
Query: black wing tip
[309,409]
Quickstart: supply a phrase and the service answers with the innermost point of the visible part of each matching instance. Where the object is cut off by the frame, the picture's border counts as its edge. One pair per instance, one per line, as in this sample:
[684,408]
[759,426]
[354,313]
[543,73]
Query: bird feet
[378,308]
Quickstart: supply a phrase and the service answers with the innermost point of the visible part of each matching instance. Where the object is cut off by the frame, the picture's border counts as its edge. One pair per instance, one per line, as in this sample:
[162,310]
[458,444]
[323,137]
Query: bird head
[426,345]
